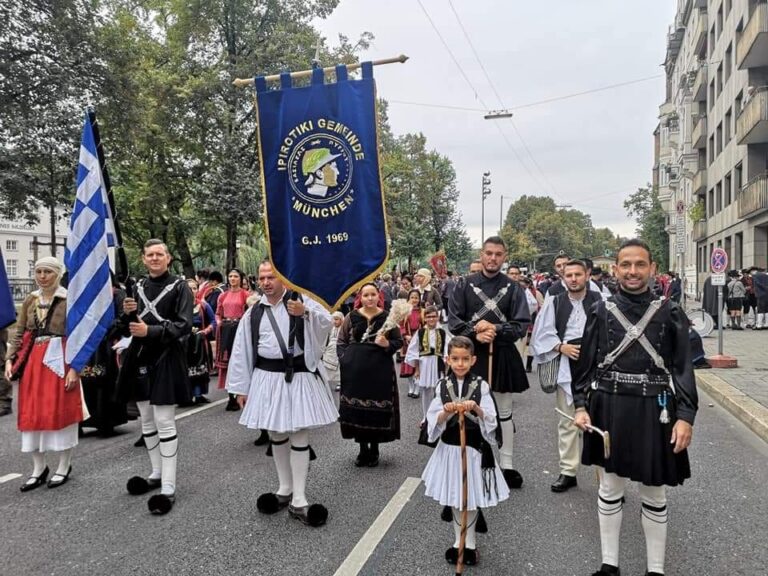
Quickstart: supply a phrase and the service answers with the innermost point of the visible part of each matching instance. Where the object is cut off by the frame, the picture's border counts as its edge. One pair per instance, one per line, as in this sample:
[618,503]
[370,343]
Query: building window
[728,61]
[11,246]
[727,127]
[728,6]
[738,252]
[719,80]
[737,104]
[711,204]
[711,43]
[31,271]
[737,180]
[711,149]
[720,21]
[718,197]
[12,267]
[727,194]
[711,98]
[719,139]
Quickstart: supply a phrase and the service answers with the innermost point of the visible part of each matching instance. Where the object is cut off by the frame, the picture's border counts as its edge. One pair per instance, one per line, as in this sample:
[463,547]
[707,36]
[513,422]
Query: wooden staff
[243,82]
[464,491]
[490,362]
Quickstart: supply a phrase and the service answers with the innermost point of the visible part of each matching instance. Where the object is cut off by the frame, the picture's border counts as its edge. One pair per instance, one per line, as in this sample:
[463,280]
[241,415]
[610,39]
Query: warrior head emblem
[319,167]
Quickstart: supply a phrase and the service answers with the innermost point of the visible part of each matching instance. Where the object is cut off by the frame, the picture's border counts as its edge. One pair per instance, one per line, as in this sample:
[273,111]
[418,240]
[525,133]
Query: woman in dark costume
[99,377]
[369,406]
[199,351]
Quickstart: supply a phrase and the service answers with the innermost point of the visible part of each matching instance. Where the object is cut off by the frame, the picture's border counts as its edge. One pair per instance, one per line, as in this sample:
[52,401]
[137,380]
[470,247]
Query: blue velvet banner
[323,201]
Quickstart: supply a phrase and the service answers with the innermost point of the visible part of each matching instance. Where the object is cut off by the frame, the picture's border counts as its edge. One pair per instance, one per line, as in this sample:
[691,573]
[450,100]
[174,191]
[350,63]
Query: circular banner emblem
[320,168]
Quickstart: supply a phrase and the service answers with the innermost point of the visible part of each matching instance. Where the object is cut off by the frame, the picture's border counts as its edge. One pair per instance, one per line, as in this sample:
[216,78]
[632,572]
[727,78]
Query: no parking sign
[718,262]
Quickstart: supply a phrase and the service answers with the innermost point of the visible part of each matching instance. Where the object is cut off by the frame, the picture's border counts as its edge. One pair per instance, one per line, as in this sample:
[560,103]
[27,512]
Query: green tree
[645,207]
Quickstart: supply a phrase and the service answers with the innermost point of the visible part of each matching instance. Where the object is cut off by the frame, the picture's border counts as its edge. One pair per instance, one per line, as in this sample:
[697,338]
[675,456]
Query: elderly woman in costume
[50,397]
[422,281]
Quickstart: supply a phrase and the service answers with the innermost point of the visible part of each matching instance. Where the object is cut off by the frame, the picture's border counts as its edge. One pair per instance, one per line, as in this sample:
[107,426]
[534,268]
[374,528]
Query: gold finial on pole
[243,82]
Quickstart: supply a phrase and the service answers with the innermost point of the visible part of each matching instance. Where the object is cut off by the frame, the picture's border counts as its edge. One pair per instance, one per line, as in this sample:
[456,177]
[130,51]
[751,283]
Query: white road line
[9,477]
[201,408]
[359,555]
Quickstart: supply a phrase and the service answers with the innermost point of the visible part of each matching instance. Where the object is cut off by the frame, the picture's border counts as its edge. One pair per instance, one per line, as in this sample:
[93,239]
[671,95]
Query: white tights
[610,505]
[291,455]
[504,406]
[38,462]
[470,541]
[158,427]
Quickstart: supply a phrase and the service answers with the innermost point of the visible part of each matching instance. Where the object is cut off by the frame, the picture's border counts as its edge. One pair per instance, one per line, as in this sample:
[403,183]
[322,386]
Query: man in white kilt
[276,372]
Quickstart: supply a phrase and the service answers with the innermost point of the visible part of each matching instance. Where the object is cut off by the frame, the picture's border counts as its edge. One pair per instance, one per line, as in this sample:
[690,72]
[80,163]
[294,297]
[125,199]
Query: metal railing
[21,288]
[753,197]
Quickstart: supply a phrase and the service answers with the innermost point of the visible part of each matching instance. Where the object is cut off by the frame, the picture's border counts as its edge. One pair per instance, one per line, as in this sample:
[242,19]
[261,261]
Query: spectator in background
[735,300]
[675,287]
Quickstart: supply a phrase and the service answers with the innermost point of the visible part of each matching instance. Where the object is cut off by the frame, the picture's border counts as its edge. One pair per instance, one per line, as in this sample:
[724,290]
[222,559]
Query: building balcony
[752,47]
[699,231]
[700,84]
[700,182]
[752,123]
[753,198]
[699,136]
[700,35]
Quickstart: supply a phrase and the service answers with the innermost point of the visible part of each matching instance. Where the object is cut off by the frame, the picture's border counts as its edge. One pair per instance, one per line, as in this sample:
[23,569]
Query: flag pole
[243,82]
[121,265]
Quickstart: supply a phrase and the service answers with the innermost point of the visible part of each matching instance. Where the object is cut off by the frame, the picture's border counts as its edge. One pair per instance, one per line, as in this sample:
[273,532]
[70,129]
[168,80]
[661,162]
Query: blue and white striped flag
[90,311]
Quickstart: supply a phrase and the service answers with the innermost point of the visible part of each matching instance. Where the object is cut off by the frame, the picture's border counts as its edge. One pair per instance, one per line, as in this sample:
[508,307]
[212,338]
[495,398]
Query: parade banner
[323,201]
[438,263]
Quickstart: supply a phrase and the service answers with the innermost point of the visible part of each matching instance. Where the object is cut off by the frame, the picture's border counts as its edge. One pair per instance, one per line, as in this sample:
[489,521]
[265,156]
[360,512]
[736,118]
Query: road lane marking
[362,551]
[9,477]
[201,408]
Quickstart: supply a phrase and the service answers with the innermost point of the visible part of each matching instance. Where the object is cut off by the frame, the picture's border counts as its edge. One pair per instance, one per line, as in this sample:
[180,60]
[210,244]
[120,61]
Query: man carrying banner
[634,381]
[154,372]
[277,374]
[491,309]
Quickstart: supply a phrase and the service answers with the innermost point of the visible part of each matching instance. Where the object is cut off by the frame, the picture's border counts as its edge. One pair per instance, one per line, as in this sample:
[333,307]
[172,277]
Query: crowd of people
[615,355]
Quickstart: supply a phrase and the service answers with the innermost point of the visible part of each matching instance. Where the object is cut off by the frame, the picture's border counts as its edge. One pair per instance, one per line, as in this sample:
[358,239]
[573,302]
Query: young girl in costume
[443,473]
[408,328]
[425,353]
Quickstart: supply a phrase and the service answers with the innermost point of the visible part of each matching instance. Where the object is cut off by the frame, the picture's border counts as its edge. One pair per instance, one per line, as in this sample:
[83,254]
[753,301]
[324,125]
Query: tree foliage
[535,231]
[645,207]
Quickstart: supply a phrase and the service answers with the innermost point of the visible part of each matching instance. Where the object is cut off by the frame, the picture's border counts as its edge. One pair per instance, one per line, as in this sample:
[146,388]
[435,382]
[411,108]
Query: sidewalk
[743,391]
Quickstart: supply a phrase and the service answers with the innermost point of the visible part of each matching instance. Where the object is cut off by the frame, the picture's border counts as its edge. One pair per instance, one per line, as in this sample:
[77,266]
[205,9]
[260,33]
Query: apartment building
[24,243]
[712,140]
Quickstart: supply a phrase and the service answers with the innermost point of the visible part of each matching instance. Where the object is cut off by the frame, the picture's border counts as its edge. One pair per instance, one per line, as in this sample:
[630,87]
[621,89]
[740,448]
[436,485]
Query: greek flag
[89,294]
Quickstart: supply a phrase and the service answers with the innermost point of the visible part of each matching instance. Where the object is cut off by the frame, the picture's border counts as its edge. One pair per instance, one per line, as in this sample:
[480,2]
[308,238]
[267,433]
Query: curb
[753,414]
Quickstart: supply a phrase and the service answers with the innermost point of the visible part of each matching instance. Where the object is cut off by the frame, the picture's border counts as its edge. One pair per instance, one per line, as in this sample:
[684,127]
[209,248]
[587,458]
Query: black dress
[99,379]
[155,367]
[640,442]
[369,407]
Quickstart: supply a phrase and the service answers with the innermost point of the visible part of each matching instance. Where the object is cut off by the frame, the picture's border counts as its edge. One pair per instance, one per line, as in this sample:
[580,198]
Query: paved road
[719,519]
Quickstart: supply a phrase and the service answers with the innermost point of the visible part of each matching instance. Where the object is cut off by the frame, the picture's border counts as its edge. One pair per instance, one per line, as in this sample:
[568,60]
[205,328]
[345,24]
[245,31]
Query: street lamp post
[501,210]
[486,190]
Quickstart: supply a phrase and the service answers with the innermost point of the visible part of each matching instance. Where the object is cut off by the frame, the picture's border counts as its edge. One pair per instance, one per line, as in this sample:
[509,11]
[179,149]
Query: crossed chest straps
[150,307]
[634,333]
[470,395]
[489,304]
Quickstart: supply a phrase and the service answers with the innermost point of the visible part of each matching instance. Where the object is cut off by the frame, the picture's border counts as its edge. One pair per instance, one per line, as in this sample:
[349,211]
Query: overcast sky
[590,151]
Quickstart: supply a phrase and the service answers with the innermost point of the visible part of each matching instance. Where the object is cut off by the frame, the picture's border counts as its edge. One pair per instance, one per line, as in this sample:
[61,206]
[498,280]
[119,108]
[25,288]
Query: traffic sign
[718,279]
[718,261]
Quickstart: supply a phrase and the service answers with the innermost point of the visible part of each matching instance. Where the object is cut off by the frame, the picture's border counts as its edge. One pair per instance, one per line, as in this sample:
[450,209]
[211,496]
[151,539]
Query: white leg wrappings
[151,439]
[281,454]
[471,541]
[169,446]
[610,505]
[654,521]
[504,404]
[300,466]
